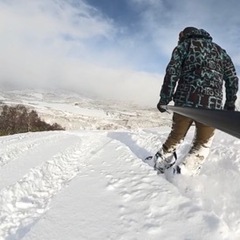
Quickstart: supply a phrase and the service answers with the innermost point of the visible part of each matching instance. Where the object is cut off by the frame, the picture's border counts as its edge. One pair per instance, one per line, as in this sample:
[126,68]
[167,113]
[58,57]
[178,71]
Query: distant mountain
[74,112]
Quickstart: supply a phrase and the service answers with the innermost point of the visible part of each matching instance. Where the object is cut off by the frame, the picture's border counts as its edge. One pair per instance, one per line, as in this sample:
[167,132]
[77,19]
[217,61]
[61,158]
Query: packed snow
[94,184]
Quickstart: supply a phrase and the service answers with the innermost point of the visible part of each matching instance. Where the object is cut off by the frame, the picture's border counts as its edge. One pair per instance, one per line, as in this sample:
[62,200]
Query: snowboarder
[199,67]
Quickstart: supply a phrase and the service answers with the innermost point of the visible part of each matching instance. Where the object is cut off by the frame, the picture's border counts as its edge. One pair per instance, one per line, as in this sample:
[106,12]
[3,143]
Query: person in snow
[199,67]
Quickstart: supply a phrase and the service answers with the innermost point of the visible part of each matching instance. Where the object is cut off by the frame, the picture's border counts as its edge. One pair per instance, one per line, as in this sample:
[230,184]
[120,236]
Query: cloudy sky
[110,48]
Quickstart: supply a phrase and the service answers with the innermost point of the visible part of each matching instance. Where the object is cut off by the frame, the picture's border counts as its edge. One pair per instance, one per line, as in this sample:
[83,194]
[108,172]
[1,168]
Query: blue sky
[109,48]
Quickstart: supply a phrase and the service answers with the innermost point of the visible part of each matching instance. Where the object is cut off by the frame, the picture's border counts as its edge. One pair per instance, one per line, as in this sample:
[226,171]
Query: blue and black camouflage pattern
[199,68]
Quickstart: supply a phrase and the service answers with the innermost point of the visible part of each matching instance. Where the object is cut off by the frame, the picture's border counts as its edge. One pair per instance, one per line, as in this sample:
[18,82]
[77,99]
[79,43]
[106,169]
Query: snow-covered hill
[94,184]
[73,111]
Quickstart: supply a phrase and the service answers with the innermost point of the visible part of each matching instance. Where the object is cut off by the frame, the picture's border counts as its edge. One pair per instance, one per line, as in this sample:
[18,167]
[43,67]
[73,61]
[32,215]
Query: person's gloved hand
[229,107]
[160,108]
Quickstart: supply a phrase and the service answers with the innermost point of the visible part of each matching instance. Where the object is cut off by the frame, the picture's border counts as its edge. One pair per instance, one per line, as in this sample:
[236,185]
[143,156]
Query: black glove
[160,108]
[229,107]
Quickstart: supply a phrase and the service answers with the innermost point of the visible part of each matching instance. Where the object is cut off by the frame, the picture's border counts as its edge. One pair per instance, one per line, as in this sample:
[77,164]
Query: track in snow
[114,159]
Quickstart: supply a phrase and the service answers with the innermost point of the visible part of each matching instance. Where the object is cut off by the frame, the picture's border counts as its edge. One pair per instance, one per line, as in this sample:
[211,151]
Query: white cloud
[163,20]
[49,43]
[67,43]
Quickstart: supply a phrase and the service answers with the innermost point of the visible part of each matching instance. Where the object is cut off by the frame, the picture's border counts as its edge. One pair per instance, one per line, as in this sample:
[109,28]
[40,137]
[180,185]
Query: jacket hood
[192,32]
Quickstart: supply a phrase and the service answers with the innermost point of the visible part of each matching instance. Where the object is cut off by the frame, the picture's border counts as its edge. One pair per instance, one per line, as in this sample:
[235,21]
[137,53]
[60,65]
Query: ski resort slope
[95,185]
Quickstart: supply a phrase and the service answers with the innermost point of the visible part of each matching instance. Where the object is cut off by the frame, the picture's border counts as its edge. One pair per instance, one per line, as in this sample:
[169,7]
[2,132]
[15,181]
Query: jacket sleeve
[231,83]
[173,73]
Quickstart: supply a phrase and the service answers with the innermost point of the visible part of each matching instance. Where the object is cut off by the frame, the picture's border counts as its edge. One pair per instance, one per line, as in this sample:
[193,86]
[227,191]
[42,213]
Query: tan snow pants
[180,127]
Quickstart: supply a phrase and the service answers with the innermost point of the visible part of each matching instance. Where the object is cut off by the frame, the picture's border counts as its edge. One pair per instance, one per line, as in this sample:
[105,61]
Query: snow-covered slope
[94,184]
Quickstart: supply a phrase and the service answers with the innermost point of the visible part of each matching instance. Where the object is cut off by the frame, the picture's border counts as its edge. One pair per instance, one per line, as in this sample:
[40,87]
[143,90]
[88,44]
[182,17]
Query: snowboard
[173,167]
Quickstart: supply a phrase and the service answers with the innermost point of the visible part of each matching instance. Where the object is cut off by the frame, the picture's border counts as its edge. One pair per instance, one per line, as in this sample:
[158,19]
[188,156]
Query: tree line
[19,119]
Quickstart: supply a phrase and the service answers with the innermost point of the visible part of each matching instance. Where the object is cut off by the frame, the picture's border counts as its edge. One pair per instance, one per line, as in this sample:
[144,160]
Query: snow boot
[191,165]
[164,160]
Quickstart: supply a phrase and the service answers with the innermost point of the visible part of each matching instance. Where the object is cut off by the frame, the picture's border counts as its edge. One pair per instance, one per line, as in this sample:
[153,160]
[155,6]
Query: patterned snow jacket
[200,67]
